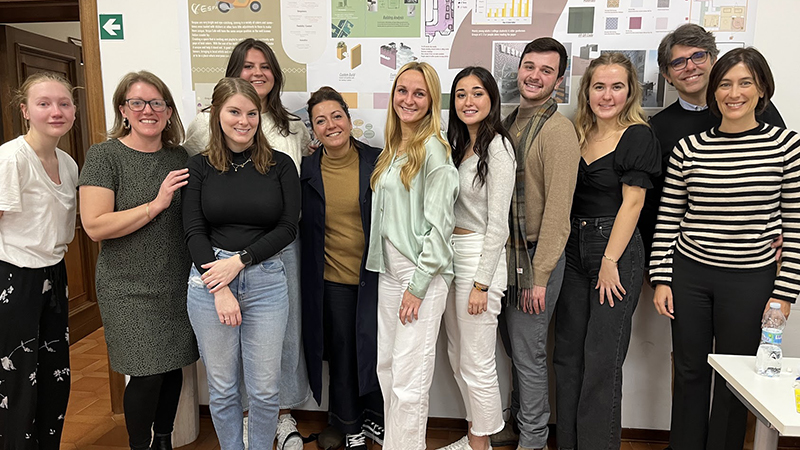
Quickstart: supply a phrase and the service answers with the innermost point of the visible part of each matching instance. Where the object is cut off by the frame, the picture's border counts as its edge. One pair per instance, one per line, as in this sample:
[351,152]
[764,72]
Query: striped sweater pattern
[726,198]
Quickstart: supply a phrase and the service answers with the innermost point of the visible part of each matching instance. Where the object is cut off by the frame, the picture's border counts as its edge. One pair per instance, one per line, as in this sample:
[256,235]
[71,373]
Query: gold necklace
[519,130]
[236,167]
[612,134]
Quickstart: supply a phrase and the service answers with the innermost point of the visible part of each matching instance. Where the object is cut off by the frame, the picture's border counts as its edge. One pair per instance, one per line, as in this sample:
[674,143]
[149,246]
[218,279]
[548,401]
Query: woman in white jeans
[414,188]
[484,155]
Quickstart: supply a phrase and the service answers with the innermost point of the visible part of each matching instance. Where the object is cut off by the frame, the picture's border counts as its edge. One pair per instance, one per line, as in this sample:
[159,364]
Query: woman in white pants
[484,156]
[414,188]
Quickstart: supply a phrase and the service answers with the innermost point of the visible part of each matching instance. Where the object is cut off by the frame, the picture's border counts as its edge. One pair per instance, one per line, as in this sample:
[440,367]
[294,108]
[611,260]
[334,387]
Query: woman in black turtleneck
[240,209]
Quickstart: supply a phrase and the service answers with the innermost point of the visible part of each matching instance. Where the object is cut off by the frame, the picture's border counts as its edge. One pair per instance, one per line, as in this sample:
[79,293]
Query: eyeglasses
[137,104]
[697,58]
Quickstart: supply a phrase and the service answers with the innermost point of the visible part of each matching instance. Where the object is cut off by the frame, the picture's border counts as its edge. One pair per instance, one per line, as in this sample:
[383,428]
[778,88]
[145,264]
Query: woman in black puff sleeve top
[605,255]
[240,209]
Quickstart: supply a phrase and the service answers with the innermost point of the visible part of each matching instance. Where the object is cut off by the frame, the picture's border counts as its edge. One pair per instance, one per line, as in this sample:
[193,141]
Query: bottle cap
[775,305]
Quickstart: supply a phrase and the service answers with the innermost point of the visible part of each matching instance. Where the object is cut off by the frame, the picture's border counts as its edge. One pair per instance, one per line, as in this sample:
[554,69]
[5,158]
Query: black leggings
[151,402]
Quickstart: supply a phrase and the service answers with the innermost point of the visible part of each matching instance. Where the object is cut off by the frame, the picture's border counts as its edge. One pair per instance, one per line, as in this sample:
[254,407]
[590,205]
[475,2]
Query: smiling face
[257,71]
[737,96]
[331,125]
[145,124]
[49,109]
[692,81]
[537,77]
[239,120]
[411,99]
[608,92]
[472,101]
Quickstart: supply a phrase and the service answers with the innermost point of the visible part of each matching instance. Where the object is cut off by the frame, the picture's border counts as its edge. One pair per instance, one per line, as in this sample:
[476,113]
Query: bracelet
[480,287]
[615,261]
[147,211]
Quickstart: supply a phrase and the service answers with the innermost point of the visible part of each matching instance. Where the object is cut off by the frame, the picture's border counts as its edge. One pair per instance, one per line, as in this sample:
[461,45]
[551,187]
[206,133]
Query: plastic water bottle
[769,356]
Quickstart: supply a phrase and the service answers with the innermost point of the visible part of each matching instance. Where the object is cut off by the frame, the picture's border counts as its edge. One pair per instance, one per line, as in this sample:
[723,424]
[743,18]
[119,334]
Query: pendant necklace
[236,167]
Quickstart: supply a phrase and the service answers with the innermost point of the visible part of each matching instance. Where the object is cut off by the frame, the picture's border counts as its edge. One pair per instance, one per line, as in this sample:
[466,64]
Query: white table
[771,400]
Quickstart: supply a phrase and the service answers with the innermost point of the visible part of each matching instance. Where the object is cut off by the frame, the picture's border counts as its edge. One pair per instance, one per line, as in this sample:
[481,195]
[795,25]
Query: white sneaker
[287,435]
[244,437]
[461,444]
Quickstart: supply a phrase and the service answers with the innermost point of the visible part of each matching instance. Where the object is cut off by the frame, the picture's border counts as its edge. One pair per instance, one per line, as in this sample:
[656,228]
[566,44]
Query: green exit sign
[111,26]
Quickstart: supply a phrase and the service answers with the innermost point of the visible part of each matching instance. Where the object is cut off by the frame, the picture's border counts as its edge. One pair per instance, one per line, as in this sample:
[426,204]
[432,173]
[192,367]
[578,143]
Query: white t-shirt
[39,215]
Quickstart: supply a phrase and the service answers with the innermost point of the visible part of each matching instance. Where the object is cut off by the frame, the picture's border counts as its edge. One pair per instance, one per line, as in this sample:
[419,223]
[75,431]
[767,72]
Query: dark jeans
[151,402]
[591,340]
[347,409]
[34,351]
[720,310]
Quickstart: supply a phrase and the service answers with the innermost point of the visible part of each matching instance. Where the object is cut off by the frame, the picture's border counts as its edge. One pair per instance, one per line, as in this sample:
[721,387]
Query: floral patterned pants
[34,356]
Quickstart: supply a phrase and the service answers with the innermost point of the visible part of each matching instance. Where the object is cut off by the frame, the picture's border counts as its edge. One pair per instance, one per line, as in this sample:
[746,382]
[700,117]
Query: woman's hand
[227,307]
[478,301]
[786,307]
[173,181]
[663,301]
[221,272]
[409,307]
[608,282]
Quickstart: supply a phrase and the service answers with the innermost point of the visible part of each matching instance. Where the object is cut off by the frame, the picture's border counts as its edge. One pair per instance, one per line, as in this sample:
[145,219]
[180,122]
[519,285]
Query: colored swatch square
[380,100]
[612,23]
[635,23]
[662,23]
[581,20]
[637,3]
[351,98]
[613,3]
[663,3]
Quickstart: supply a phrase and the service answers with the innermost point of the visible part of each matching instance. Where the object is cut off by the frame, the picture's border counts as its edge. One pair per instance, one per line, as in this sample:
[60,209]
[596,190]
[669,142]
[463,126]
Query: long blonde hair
[632,113]
[219,155]
[430,125]
[172,135]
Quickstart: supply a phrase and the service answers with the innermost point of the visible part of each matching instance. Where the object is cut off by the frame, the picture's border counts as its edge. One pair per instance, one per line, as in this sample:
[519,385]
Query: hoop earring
[126,123]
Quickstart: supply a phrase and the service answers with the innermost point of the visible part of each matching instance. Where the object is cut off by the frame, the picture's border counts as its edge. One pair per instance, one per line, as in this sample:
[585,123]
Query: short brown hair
[172,135]
[758,67]
[689,35]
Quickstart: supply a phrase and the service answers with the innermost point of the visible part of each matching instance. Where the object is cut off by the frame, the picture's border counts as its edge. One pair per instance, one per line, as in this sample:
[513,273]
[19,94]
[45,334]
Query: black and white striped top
[726,198]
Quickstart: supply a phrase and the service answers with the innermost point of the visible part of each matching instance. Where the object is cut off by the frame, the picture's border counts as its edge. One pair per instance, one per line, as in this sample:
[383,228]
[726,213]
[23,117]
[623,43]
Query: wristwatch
[246,257]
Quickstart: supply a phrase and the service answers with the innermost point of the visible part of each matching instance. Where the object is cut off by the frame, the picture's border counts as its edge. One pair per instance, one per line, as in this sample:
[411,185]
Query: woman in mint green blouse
[415,186]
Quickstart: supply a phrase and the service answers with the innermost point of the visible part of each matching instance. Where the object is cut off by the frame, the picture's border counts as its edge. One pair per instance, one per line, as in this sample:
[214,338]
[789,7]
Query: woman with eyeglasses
[255,62]
[729,192]
[129,202]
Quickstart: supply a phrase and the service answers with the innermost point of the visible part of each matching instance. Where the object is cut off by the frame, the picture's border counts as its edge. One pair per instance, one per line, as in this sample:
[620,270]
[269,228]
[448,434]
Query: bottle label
[772,336]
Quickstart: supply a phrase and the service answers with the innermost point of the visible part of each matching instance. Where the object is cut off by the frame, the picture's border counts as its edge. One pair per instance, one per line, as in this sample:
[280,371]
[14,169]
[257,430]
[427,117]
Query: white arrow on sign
[111,27]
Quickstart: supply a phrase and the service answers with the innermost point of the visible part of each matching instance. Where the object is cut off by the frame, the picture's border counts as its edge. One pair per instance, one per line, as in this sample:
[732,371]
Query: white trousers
[471,339]
[406,353]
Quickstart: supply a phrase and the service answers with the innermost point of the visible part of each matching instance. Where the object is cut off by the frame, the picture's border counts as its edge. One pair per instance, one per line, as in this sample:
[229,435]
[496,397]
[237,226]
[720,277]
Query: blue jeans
[254,346]
[591,340]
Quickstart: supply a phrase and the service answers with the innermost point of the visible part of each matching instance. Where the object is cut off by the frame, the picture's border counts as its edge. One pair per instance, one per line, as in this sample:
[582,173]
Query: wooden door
[22,54]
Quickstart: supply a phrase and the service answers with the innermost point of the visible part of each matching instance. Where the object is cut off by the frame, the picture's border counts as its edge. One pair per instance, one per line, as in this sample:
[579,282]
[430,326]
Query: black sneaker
[355,441]
[373,430]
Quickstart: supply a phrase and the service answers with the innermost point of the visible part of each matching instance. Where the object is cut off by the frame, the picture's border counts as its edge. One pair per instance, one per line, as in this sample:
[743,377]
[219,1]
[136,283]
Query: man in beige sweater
[547,163]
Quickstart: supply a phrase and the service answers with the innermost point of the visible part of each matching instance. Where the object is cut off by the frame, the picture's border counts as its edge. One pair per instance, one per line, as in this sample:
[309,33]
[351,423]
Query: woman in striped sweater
[729,192]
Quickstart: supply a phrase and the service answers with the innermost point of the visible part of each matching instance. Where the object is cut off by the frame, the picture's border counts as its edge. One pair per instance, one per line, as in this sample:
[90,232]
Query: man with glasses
[685,58]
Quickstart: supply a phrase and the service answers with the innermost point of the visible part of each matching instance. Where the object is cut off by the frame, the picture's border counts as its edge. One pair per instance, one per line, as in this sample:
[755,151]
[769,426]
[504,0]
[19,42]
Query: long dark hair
[272,103]
[457,132]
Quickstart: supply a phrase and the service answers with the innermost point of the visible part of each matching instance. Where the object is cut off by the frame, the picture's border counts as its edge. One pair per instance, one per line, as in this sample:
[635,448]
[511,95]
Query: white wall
[153,30]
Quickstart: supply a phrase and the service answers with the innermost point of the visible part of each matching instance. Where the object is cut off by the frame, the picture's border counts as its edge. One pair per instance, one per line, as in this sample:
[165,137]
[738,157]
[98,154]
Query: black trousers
[34,355]
[718,311]
[151,402]
[347,409]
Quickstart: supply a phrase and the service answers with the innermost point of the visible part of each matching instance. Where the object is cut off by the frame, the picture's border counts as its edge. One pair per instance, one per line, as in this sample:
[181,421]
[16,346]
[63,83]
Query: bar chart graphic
[502,12]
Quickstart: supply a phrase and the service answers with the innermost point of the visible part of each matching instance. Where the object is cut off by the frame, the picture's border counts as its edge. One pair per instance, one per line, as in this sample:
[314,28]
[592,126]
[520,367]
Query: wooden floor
[90,424]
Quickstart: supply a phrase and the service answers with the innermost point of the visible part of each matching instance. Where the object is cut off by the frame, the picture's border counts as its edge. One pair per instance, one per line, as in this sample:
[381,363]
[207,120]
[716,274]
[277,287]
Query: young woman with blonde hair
[37,221]
[240,211]
[605,255]
[414,189]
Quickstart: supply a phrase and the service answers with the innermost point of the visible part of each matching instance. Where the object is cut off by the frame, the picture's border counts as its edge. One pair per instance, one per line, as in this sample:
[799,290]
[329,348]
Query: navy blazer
[312,238]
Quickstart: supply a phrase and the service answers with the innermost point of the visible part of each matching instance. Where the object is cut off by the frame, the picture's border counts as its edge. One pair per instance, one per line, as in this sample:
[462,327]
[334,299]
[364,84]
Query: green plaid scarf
[520,270]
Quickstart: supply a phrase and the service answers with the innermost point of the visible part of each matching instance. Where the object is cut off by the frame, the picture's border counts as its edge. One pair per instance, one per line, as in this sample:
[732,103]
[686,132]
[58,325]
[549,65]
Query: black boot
[162,442]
